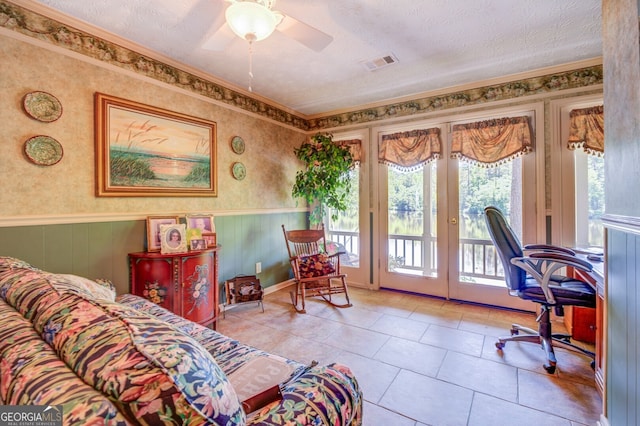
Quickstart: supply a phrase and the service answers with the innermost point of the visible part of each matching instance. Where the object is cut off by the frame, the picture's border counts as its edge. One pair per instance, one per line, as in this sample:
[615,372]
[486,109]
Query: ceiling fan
[254,20]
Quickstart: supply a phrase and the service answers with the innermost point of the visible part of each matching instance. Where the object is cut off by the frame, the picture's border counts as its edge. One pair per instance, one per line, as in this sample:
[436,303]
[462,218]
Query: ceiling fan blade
[311,37]
[220,39]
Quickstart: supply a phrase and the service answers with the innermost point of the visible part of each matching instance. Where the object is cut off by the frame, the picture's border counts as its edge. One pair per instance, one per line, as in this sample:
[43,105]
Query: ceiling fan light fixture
[251,21]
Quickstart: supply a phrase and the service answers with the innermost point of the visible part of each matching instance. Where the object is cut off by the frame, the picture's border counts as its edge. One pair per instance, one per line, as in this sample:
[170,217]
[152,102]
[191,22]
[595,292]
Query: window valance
[492,142]
[355,148]
[410,150]
[587,130]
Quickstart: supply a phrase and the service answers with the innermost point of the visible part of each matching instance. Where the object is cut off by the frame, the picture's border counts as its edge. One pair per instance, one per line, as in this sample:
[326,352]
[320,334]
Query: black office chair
[531,277]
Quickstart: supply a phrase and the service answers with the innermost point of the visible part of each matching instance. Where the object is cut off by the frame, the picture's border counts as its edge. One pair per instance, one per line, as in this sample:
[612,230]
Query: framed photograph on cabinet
[153,230]
[145,151]
[204,222]
[210,238]
[196,244]
[173,238]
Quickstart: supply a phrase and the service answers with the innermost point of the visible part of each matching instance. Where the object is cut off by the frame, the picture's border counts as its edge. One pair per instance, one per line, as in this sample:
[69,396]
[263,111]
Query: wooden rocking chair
[316,272]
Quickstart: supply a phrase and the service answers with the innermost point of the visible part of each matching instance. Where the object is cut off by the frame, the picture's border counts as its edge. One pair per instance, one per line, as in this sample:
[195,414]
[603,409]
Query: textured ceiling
[438,43]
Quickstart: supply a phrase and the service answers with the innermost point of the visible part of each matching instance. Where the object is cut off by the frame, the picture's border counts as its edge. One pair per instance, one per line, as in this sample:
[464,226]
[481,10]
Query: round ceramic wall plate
[239,171]
[43,150]
[42,106]
[237,144]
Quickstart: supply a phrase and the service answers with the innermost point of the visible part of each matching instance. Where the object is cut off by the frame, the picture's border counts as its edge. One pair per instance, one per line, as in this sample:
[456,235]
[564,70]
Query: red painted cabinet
[184,283]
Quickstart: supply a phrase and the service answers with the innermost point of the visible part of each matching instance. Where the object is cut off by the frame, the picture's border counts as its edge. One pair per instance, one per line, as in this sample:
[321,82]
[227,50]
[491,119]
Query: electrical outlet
[258,267]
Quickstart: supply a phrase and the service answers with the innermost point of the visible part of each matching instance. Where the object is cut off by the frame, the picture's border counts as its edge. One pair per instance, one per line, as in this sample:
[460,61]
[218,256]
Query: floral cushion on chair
[315,266]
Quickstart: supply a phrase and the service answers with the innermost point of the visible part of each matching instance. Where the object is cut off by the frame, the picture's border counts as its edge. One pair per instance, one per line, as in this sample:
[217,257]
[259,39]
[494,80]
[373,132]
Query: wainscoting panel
[623,318]
[248,239]
[92,250]
[99,250]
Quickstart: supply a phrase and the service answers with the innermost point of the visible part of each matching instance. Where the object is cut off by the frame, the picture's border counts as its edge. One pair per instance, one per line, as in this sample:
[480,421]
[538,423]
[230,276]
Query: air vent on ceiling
[381,62]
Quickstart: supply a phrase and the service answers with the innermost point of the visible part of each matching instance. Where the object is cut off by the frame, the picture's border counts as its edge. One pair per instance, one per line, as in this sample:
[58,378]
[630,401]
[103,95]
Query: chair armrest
[566,260]
[335,257]
[549,248]
[542,265]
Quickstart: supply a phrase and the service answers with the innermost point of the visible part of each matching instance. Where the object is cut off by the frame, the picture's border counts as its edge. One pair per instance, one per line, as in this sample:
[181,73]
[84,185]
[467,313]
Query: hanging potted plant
[324,182]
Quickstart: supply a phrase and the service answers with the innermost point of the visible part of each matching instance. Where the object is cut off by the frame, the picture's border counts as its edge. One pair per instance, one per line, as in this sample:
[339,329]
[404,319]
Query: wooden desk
[587,322]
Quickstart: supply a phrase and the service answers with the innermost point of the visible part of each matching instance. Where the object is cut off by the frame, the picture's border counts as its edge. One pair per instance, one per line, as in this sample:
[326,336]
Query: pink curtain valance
[492,142]
[587,130]
[355,148]
[410,150]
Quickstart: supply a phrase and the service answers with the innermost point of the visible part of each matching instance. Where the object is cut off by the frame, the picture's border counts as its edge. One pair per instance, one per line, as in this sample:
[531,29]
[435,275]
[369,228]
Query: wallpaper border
[20,19]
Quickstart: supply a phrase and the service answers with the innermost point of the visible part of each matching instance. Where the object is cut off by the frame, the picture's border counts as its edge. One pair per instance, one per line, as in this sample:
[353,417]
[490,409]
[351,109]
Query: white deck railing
[415,254]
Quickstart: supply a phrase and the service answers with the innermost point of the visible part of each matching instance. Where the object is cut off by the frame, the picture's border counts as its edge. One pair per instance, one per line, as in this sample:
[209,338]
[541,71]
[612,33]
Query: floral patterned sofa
[67,341]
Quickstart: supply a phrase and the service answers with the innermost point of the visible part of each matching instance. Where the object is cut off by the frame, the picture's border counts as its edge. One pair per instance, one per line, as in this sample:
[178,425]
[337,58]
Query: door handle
[453,221]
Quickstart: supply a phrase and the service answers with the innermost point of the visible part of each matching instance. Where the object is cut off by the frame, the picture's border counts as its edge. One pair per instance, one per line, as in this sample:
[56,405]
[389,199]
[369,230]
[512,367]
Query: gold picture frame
[145,151]
[154,237]
[204,222]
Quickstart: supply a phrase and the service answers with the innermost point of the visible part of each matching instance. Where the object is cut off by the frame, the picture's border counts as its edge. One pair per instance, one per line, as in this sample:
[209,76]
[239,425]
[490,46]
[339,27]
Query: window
[589,169]
[345,230]
[586,139]
[577,172]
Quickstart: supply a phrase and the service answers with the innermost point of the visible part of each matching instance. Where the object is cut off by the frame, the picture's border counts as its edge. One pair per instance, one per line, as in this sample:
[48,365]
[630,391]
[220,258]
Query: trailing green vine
[324,182]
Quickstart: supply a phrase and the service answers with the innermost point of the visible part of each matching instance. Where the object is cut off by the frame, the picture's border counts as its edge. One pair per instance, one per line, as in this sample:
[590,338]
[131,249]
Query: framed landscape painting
[142,151]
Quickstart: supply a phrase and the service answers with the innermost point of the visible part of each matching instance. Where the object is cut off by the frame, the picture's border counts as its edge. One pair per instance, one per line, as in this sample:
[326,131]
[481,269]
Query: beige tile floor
[426,361]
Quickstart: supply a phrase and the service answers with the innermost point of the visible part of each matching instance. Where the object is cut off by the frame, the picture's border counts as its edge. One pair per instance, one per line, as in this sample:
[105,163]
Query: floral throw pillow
[315,266]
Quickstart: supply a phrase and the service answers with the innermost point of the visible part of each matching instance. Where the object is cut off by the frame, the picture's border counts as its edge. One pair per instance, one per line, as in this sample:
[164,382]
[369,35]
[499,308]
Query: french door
[476,273]
[432,237]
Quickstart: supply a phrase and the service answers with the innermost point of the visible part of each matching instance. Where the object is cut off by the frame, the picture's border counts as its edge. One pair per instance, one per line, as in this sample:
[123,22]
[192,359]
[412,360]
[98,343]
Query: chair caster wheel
[515,331]
[550,368]
[500,345]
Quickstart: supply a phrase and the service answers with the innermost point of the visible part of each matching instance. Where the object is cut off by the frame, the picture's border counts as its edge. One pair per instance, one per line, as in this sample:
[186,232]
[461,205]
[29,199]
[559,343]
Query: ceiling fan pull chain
[250,65]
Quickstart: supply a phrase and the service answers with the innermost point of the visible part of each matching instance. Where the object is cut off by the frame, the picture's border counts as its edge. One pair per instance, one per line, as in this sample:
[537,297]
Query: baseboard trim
[279,286]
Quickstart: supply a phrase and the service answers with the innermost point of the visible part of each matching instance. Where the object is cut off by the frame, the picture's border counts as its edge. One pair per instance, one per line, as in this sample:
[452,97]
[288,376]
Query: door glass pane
[345,230]
[589,199]
[480,187]
[412,217]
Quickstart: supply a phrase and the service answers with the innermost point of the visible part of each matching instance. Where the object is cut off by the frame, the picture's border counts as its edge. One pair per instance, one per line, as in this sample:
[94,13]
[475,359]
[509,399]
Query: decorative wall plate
[43,150]
[239,171]
[42,106]
[237,144]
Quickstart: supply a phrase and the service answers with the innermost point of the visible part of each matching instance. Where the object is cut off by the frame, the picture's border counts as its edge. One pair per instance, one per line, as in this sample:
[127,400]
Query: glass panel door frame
[447,284]
[434,286]
[533,208]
